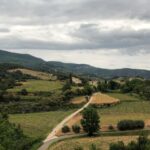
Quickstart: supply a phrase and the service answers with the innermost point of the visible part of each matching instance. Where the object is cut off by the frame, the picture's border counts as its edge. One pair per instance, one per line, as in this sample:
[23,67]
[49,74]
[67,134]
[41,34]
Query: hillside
[79,69]
[21,59]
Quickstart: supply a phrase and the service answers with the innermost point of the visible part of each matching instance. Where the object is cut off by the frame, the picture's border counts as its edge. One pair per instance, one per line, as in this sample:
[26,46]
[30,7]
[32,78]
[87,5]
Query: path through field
[52,136]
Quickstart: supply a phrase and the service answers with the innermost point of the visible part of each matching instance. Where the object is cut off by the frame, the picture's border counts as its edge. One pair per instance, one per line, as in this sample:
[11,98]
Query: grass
[101,142]
[39,124]
[124,97]
[38,85]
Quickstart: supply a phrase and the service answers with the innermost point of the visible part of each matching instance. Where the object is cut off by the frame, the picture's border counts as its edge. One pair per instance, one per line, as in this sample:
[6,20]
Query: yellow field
[100,142]
[100,98]
[38,74]
[78,100]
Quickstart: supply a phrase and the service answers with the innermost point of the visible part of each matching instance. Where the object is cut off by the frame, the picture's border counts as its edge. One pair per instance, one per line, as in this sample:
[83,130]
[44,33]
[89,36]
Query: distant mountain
[82,69]
[79,69]
[21,59]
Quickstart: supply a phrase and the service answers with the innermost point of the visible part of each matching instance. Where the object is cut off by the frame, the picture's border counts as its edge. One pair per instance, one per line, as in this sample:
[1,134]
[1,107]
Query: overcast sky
[103,33]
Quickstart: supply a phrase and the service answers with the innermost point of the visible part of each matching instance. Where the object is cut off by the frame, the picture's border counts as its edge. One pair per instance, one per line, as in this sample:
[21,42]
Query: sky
[103,33]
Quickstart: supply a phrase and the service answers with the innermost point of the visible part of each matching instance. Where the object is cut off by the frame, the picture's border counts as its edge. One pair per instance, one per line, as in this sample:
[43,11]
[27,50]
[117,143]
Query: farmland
[39,124]
[37,74]
[38,86]
[100,142]
[130,107]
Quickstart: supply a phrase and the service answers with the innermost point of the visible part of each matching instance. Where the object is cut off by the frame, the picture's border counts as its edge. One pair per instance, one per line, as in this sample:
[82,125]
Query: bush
[143,143]
[65,129]
[111,127]
[130,125]
[76,128]
[78,148]
[24,92]
[117,146]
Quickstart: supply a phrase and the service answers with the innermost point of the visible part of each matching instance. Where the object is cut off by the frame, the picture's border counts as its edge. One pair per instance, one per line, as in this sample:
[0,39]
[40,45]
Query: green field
[38,86]
[129,108]
[39,124]
[124,97]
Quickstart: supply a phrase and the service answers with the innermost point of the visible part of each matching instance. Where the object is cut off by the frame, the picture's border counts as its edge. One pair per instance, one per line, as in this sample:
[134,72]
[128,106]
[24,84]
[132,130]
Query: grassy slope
[38,85]
[39,124]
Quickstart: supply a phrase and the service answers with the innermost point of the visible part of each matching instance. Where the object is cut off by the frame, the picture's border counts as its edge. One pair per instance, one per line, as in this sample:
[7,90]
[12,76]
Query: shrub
[130,125]
[143,143]
[24,92]
[78,148]
[93,147]
[111,127]
[117,146]
[76,128]
[65,129]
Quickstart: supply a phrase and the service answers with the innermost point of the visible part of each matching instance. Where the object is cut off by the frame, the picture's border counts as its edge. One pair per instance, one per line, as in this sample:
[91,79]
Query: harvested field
[102,99]
[37,74]
[100,142]
[78,100]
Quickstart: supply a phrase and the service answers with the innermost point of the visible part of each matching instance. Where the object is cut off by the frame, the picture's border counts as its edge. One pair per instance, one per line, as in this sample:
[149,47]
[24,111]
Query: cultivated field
[39,124]
[100,142]
[38,85]
[78,100]
[102,99]
[130,107]
[37,74]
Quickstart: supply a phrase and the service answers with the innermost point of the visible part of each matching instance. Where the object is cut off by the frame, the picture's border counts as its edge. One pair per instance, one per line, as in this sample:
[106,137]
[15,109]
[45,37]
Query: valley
[48,106]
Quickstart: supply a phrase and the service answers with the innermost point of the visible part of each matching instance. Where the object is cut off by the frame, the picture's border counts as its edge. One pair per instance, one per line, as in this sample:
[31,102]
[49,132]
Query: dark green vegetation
[57,67]
[130,125]
[90,121]
[12,136]
[76,128]
[143,143]
[65,129]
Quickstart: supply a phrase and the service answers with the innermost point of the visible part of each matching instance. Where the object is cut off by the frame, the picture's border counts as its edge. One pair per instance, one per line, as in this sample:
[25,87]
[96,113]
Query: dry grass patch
[100,98]
[78,100]
[100,142]
[38,74]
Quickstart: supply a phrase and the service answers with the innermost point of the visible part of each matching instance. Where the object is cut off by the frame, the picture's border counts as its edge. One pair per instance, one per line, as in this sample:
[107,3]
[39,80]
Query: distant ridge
[79,69]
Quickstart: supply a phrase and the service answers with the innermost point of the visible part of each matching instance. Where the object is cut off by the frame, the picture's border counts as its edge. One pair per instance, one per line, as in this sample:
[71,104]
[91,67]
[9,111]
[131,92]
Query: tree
[90,121]
[67,86]
[88,89]
[65,129]
[76,128]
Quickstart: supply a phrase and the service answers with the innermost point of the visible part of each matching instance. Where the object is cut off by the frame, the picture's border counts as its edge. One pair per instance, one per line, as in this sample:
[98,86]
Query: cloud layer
[101,25]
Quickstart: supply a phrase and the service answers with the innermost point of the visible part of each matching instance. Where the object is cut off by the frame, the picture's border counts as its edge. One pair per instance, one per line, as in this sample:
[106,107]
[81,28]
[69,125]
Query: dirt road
[52,136]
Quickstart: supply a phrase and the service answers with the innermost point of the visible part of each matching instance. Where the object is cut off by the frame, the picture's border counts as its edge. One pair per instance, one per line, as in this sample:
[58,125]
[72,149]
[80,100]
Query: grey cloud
[53,11]
[4,30]
[88,36]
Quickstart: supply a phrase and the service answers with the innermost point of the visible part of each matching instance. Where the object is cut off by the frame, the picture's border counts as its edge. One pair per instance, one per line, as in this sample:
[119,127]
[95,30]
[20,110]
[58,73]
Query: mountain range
[30,61]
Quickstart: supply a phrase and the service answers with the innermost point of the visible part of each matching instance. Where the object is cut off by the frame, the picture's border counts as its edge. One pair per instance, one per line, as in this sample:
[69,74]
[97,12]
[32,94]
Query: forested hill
[21,59]
[79,69]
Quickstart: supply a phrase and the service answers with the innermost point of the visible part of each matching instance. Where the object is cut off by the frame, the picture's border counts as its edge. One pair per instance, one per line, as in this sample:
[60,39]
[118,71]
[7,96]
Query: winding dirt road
[52,136]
